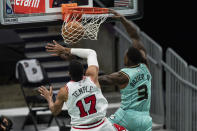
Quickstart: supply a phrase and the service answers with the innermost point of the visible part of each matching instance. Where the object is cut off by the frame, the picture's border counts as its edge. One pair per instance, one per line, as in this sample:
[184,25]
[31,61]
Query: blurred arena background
[168,30]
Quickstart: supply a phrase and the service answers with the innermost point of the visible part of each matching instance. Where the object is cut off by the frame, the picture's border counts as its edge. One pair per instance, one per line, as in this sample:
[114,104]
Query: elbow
[92,52]
[55,113]
[92,58]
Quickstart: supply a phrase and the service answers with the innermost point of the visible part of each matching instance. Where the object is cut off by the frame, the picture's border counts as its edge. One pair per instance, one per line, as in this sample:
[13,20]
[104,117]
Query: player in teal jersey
[134,82]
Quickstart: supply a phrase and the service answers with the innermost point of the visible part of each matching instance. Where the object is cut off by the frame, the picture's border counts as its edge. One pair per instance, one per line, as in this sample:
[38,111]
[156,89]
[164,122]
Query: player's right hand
[116,14]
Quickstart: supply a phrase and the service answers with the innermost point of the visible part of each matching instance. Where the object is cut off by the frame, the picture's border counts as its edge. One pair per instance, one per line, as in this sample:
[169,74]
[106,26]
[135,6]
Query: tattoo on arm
[117,78]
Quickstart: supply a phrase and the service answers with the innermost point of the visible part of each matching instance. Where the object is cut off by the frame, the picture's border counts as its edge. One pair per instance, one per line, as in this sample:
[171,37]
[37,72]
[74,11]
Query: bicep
[121,78]
[117,78]
[138,45]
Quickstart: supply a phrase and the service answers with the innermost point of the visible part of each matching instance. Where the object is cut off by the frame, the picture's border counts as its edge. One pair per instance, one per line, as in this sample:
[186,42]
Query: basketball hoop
[81,22]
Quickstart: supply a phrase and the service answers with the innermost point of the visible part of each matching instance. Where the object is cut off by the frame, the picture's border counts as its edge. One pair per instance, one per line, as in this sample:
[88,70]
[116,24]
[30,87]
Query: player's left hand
[47,94]
[56,49]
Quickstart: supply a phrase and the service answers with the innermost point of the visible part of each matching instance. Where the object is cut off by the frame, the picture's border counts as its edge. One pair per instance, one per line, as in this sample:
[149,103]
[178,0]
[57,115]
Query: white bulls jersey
[86,103]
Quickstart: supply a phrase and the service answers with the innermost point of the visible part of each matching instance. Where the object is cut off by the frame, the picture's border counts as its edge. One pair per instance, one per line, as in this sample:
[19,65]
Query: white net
[82,26]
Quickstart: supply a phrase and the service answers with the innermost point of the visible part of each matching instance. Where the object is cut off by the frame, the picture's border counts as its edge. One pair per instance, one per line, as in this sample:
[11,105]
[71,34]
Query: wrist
[50,100]
[67,51]
[122,18]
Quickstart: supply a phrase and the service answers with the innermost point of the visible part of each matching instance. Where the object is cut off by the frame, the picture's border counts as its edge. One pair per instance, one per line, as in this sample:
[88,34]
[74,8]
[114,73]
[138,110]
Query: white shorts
[103,125]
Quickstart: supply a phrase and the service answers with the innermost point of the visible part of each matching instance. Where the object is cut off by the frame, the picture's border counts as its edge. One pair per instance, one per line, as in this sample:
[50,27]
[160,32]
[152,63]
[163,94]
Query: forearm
[54,109]
[105,80]
[116,78]
[131,29]
[67,57]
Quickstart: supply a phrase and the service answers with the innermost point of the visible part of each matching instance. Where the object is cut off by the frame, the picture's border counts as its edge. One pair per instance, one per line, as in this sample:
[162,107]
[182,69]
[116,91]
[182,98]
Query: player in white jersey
[85,102]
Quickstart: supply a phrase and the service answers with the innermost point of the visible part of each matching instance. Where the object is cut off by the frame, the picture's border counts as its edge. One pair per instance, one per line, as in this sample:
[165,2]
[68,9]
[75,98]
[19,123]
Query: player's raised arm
[67,53]
[55,107]
[130,27]
[132,31]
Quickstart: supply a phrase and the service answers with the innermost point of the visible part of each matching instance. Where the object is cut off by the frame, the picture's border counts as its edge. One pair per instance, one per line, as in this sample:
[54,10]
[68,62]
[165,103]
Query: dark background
[172,23]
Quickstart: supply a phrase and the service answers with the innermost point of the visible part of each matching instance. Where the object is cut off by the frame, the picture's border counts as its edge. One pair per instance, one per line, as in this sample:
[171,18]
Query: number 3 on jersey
[87,100]
[142,92]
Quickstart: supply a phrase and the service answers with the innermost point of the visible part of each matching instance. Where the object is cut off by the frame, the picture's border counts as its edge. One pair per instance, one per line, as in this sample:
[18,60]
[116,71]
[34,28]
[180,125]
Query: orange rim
[88,10]
[68,9]
[84,10]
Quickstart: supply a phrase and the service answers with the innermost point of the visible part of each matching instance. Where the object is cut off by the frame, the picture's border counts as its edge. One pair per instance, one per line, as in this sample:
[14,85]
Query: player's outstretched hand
[116,14]
[47,94]
[56,49]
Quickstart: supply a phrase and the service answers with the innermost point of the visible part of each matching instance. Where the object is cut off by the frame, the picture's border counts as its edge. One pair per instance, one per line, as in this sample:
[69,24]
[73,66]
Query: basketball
[72,32]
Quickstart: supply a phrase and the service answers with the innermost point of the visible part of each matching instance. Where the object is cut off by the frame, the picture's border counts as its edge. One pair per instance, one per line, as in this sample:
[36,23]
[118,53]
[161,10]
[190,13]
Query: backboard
[14,12]
[132,9]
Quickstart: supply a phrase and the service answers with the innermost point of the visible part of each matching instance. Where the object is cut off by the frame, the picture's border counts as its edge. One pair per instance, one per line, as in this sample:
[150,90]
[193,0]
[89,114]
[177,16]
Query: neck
[76,80]
[132,65]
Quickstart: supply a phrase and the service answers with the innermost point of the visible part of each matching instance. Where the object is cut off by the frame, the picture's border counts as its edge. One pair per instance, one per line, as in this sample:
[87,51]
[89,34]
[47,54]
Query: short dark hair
[135,56]
[76,70]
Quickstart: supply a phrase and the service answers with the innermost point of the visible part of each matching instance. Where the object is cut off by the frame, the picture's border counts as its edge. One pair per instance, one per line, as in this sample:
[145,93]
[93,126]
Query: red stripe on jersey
[91,124]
